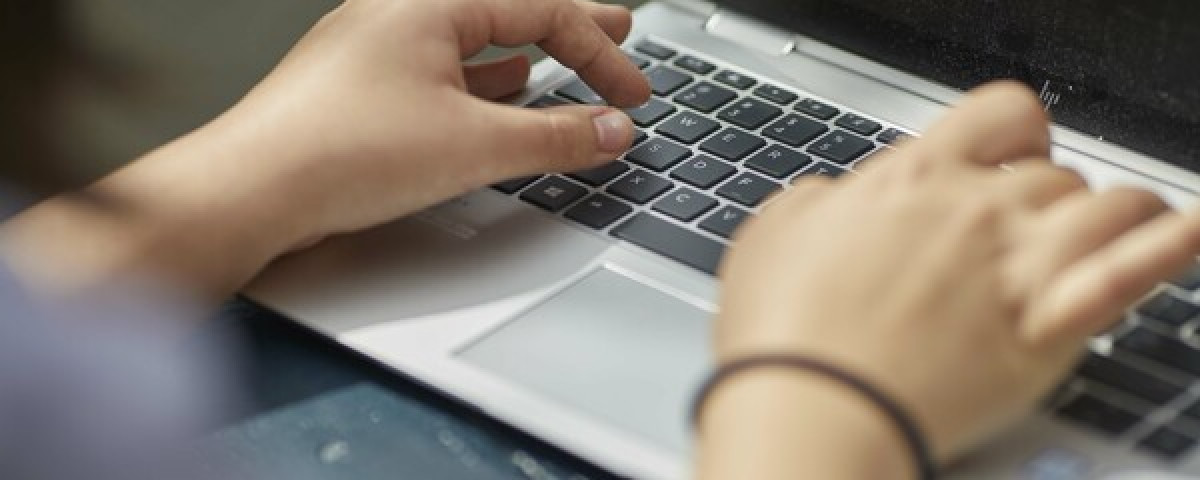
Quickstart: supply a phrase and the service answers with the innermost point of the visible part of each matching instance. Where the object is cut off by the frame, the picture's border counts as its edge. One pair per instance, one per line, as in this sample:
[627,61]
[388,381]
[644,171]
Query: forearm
[196,213]
[785,424]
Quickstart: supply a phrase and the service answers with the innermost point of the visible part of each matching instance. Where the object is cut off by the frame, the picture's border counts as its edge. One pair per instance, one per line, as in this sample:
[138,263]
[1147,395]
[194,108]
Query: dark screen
[1127,71]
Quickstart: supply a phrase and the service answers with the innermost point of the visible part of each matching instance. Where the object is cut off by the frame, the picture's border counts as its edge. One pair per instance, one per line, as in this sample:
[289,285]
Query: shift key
[673,241]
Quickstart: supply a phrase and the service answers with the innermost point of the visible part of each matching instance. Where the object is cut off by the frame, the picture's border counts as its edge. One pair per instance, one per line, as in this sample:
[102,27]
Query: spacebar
[673,241]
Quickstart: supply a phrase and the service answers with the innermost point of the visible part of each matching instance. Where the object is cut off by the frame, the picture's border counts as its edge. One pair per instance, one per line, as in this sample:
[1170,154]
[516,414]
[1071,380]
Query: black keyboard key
[705,97]
[892,135]
[694,65]
[1095,413]
[600,175]
[841,147]
[650,112]
[666,80]
[817,109]
[1168,442]
[580,92]
[735,80]
[545,101]
[823,169]
[858,124]
[778,162]
[638,61]
[1164,307]
[553,193]
[732,144]
[748,189]
[750,113]
[795,130]
[775,94]
[658,154]
[511,186]
[1128,379]
[672,241]
[598,211]
[1193,412]
[687,127]
[725,221]
[655,50]
[640,137]
[639,186]
[685,204]
[1165,350]
[703,171]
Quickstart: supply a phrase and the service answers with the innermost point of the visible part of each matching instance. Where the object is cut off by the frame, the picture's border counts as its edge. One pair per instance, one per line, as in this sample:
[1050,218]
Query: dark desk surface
[322,412]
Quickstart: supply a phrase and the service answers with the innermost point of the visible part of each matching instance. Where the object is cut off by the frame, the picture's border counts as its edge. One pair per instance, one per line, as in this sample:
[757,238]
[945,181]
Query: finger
[615,20]
[1077,226]
[565,31]
[1037,183]
[994,124]
[558,139]
[1098,289]
[498,79]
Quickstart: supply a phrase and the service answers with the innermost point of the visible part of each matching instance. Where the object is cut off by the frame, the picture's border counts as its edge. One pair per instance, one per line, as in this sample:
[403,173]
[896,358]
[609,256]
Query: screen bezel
[1131,125]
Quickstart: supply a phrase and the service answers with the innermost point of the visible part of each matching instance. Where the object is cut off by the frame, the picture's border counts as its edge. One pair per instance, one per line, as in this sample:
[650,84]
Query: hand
[373,115]
[963,290]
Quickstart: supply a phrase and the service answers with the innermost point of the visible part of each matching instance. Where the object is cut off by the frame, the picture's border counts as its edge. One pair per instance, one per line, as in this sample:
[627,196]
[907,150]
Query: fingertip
[1014,93]
[994,124]
[615,20]
[1024,107]
[632,94]
[614,131]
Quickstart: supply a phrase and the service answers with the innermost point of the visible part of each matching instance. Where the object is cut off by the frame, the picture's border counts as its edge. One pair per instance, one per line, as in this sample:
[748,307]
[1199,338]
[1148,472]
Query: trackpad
[612,347]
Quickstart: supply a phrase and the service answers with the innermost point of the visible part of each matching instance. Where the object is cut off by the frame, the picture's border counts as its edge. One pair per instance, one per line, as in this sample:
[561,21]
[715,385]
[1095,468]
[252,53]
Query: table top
[320,411]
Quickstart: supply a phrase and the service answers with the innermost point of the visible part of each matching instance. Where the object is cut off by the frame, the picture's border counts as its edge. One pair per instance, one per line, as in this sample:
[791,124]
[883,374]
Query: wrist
[212,194]
[785,423]
[192,213]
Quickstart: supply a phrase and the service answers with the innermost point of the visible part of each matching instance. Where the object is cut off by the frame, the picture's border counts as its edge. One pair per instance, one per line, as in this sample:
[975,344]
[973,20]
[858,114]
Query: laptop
[577,306]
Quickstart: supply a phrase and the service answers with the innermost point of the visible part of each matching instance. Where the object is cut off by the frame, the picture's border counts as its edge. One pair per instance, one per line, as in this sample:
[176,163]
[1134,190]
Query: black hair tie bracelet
[922,456]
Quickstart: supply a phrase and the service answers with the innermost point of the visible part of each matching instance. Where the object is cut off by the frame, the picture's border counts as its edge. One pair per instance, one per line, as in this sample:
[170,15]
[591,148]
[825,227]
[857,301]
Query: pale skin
[373,116]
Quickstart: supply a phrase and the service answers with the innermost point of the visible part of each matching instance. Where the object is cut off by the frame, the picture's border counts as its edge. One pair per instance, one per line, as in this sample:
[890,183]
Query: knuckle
[563,12]
[981,211]
[563,142]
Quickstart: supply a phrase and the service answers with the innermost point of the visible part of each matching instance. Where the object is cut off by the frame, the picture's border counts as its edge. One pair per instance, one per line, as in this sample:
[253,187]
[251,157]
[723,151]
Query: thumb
[559,139]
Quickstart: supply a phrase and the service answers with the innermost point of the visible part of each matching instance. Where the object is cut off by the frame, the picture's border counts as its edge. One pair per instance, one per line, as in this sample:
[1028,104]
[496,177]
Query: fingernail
[613,131]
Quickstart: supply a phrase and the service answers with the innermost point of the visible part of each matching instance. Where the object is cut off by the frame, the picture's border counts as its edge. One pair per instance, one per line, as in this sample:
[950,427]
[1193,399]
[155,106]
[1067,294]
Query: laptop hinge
[749,32]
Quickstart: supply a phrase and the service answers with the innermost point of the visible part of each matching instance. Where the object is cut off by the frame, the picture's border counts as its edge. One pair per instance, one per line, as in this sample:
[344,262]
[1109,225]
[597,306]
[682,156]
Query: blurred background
[180,63]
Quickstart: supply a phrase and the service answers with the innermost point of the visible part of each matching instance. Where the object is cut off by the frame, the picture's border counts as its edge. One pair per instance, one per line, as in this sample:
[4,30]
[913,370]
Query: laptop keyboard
[1138,385]
[714,143]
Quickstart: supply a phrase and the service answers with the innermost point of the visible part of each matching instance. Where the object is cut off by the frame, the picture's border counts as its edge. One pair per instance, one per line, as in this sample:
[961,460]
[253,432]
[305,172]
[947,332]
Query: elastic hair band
[909,431]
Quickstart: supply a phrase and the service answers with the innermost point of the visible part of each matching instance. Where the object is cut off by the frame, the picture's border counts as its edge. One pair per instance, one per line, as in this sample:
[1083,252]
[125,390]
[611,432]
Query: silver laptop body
[596,344]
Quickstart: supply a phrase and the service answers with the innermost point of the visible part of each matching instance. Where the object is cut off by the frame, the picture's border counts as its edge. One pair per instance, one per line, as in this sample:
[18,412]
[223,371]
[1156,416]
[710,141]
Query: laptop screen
[1125,71]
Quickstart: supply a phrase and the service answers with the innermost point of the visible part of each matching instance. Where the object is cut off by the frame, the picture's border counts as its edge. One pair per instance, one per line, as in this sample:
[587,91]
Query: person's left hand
[374,115]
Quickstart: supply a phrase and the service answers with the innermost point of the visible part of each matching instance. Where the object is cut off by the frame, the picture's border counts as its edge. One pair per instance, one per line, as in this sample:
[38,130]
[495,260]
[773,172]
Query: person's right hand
[964,290]
[372,116]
